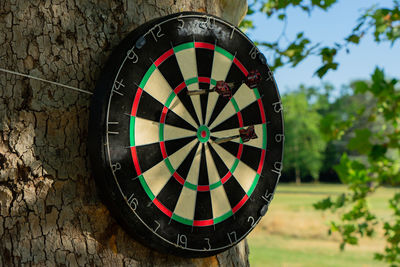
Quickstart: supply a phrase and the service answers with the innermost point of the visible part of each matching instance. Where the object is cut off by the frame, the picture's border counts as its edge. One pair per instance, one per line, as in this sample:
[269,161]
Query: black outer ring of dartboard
[107,188]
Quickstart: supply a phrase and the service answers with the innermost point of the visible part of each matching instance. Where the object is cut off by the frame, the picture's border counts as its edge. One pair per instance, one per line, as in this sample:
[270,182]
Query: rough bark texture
[49,210]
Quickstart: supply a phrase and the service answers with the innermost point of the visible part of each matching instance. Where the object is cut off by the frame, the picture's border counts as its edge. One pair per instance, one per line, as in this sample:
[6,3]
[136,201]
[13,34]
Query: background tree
[50,214]
[304,143]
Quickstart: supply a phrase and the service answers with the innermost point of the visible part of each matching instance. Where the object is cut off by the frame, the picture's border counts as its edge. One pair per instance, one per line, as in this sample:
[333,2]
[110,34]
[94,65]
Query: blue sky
[329,27]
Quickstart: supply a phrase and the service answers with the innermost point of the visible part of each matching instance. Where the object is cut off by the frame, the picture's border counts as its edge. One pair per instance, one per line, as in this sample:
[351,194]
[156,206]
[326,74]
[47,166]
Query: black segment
[203,173]
[184,168]
[174,145]
[149,108]
[203,104]
[251,155]
[219,163]
[234,191]
[231,147]
[170,70]
[187,102]
[231,123]
[235,75]
[203,210]
[175,120]
[204,58]
[251,115]
[148,155]
[169,195]
[219,106]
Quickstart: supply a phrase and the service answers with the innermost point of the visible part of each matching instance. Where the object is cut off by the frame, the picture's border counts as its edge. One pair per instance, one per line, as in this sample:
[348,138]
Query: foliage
[304,143]
[381,168]
[378,148]
[383,22]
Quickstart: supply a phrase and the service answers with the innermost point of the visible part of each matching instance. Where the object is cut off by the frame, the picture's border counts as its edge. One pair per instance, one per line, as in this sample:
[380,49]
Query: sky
[328,27]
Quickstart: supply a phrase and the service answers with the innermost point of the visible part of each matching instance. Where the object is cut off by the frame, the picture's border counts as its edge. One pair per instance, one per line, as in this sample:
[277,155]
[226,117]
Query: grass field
[294,234]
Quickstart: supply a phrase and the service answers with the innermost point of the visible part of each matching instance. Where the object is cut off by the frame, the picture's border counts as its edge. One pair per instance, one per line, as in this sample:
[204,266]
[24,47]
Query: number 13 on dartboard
[186,134]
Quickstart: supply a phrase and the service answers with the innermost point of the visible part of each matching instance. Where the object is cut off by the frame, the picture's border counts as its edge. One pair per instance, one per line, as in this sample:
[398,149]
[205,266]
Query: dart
[253,78]
[245,134]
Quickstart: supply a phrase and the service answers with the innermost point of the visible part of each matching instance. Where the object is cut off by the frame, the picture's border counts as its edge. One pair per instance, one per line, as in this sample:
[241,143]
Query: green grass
[294,234]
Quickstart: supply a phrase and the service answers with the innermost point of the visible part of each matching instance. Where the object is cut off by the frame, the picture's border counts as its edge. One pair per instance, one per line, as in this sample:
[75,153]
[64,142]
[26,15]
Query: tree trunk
[49,210]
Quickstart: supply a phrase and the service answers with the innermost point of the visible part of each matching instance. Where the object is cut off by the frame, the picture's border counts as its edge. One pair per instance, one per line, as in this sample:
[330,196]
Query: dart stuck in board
[159,134]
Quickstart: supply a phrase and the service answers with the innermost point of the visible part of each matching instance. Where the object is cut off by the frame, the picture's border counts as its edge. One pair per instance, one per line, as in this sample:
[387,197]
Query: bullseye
[203,134]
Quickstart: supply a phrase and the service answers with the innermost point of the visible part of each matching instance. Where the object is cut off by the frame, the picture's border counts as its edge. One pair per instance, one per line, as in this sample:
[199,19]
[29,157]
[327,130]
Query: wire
[46,81]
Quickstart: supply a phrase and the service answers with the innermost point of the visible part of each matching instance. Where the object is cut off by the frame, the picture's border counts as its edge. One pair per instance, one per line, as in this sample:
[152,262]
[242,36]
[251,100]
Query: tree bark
[50,214]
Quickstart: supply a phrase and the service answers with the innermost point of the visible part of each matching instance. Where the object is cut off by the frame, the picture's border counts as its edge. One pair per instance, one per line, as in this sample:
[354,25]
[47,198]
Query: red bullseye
[203,134]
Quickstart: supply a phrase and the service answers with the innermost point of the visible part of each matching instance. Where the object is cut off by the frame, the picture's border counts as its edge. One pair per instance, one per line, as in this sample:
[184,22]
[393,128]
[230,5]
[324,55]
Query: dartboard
[186,134]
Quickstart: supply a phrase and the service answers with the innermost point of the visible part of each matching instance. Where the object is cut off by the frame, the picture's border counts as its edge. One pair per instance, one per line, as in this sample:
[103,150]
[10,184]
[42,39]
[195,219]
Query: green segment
[183,47]
[256,93]
[232,170]
[147,76]
[182,220]
[224,52]
[253,185]
[146,187]
[235,105]
[191,81]
[215,185]
[169,166]
[223,217]
[264,145]
[190,186]
[161,132]
[169,100]
[132,131]
[213,82]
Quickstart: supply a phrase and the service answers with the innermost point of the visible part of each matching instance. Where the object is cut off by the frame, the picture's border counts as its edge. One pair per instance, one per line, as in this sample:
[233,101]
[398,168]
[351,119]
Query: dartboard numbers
[168,179]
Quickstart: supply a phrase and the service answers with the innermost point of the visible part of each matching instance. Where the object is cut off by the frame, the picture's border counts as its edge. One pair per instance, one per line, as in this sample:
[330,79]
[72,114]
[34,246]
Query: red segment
[204,45]
[163,57]
[179,88]
[260,106]
[226,177]
[204,80]
[162,208]
[136,101]
[240,66]
[203,188]
[240,204]
[178,178]
[203,134]
[240,150]
[260,166]
[163,150]
[240,118]
[163,114]
[203,222]
[135,160]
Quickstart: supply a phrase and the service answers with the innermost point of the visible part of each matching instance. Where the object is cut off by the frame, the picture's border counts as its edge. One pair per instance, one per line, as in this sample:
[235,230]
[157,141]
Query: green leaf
[281,16]
[324,69]
[361,142]
[378,152]
[360,86]
[353,39]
